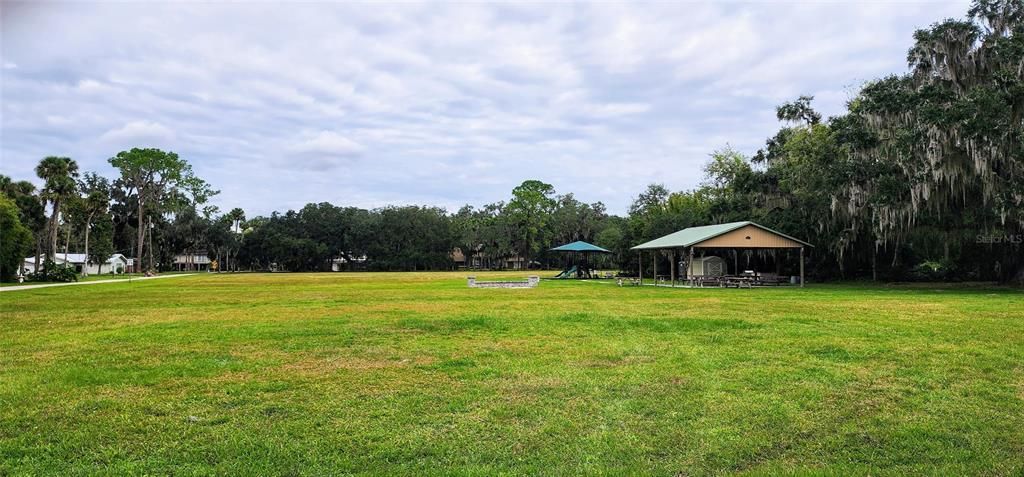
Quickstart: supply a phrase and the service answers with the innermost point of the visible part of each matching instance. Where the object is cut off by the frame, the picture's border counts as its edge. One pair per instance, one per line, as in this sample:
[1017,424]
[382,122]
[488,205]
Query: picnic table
[738,281]
[772,279]
[705,280]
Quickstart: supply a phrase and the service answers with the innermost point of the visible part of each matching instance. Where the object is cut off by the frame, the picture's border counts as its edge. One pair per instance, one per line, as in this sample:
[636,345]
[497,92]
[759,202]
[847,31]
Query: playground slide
[568,273]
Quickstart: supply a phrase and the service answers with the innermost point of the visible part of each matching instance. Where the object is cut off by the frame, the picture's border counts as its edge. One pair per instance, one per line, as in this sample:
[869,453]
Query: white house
[197,261]
[117,263]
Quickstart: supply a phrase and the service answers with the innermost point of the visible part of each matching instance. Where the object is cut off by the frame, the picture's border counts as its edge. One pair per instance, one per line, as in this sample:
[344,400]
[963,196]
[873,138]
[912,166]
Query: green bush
[15,239]
[53,272]
[934,271]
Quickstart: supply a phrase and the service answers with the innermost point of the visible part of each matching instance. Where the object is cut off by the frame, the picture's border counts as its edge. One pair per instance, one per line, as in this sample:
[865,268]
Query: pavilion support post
[801,267]
[655,260]
[672,265]
[640,260]
[689,266]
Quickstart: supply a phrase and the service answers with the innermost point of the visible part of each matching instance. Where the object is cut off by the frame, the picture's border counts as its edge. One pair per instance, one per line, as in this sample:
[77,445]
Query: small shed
[711,266]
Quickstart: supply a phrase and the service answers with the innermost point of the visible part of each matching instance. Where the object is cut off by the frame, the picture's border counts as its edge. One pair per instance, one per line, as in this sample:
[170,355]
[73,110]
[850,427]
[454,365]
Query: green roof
[694,235]
[580,246]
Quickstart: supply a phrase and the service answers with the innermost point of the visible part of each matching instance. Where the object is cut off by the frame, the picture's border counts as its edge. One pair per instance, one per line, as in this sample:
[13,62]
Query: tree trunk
[874,264]
[67,243]
[151,244]
[85,269]
[141,237]
[51,250]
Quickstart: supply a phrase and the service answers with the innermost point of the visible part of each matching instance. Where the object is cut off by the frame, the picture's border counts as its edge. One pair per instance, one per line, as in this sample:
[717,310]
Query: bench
[628,281]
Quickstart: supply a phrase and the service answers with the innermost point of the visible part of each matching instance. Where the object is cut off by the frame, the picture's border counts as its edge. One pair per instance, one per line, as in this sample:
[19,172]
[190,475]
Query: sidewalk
[92,282]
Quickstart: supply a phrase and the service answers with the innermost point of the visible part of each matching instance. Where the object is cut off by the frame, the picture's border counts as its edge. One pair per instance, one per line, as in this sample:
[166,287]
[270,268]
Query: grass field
[259,374]
[92,278]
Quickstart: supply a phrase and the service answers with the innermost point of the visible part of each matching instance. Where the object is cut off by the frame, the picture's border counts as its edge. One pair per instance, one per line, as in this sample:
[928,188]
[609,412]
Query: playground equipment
[579,253]
[568,273]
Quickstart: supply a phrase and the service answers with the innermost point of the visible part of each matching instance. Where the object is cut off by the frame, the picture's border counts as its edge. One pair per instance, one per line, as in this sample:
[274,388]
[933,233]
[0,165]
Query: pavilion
[735,236]
[580,252]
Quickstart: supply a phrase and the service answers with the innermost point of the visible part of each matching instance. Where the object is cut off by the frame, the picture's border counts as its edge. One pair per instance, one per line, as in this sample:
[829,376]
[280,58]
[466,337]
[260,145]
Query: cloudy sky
[441,104]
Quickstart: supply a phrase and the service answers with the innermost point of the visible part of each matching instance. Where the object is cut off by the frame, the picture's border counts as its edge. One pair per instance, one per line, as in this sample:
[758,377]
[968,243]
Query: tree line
[323,236]
[91,214]
[922,177]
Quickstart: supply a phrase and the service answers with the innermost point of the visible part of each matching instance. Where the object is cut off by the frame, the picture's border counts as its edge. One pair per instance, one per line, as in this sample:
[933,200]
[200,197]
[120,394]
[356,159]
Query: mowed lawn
[414,374]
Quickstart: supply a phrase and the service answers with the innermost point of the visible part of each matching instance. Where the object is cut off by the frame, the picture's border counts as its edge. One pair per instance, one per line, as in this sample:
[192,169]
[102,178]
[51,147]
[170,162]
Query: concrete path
[91,282]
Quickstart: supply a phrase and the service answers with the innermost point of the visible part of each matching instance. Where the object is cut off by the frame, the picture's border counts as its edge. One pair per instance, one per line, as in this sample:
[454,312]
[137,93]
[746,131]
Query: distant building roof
[75,258]
[693,236]
[59,258]
[580,246]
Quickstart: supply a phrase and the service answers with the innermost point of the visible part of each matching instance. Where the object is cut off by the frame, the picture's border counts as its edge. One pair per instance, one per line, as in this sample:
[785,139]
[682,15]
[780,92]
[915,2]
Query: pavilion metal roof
[694,235]
[580,246]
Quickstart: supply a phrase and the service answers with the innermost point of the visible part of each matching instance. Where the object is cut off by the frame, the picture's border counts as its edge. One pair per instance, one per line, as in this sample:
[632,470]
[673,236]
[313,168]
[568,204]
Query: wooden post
[672,258]
[640,260]
[689,266]
[655,255]
[801,267]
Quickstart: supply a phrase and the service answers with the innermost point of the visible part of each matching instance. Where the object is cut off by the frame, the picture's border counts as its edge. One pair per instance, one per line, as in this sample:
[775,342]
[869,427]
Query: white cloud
[140,133]
[328,143]
[598,99]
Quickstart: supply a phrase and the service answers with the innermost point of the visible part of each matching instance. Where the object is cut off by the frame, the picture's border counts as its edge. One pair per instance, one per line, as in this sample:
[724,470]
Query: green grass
[94,277]
[314,374]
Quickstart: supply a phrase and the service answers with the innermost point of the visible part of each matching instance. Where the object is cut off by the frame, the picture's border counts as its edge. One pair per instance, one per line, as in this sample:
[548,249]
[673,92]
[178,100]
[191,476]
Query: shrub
[934,271]
[15,241]
[51,272]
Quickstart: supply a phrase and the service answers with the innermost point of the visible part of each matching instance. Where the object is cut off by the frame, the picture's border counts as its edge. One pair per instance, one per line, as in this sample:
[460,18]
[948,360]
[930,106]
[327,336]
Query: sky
[371,104]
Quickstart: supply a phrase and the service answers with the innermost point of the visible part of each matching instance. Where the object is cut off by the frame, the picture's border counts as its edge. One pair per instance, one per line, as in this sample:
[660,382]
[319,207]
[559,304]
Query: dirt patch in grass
[321,366]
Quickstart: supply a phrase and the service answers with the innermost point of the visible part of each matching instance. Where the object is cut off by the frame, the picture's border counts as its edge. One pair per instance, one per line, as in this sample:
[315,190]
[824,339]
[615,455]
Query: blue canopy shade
[580,246]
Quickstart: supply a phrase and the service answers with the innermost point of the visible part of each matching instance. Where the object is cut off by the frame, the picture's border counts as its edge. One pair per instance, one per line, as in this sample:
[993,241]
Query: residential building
[117,263]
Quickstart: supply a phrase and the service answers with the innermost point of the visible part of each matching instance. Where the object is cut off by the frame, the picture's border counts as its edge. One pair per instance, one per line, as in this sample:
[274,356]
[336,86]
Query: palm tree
[58,174]
[237,216]
[96,202]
